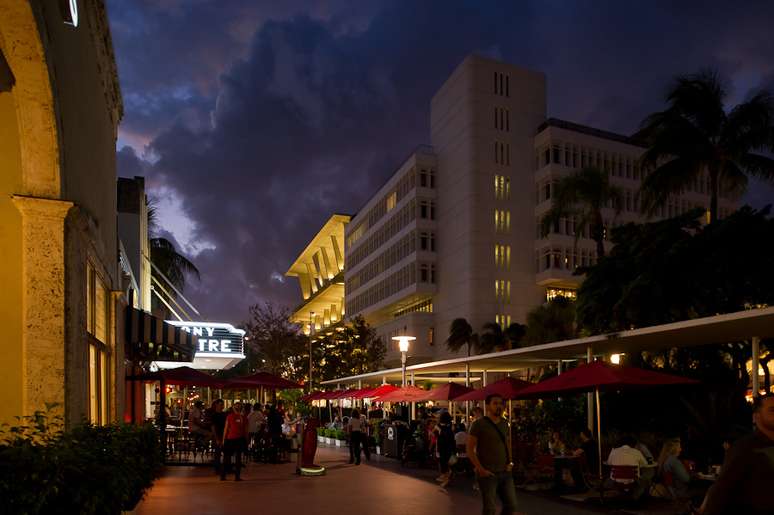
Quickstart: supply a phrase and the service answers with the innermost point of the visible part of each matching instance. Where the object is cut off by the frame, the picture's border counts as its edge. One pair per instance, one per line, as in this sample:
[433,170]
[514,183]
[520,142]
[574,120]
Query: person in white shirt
[255,421]
[356,427]
[627,455]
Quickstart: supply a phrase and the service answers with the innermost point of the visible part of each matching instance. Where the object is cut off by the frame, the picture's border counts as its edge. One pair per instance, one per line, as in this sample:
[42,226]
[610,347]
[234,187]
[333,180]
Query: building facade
[456,231]
[320,272]
[60,300]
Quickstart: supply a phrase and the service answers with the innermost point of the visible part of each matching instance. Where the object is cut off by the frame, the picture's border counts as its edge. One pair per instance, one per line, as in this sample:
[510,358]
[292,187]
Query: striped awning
[149,338]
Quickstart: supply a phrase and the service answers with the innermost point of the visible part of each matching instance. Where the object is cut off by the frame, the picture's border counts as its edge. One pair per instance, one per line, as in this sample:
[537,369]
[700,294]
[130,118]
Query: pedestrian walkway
[378,488]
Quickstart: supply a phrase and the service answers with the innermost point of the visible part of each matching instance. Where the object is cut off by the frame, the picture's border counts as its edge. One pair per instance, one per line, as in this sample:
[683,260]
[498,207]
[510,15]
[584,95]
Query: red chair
[625,474]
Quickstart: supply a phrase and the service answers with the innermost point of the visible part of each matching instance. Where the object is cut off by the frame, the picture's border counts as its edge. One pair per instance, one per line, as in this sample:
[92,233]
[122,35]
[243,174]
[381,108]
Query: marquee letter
[224,345]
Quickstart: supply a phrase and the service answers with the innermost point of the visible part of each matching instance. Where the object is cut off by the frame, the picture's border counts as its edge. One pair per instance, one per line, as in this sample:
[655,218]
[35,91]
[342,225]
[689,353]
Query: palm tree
[495,338]
[461,334]
[582,195]
[552,322]
[165,257]
[695,134]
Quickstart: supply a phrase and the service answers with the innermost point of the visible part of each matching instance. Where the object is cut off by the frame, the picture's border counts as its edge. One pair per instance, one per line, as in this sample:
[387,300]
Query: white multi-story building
[455,232]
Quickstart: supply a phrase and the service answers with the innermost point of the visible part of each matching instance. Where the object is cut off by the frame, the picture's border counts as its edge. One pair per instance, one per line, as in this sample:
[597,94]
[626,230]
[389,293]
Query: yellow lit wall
[10,263]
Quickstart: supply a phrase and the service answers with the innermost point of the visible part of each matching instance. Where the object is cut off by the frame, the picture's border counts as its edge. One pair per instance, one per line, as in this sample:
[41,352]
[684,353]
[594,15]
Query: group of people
[236,431]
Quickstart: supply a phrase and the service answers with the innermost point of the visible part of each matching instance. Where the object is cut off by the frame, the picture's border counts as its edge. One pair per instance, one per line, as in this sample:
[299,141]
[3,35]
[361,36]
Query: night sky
[253,121]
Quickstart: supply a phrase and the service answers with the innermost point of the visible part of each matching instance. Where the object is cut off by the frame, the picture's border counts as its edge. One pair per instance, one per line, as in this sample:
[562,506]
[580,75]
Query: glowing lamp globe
[403,342]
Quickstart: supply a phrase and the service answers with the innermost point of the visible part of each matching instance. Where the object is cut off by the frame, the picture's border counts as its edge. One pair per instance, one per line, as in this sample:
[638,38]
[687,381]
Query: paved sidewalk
[380,487]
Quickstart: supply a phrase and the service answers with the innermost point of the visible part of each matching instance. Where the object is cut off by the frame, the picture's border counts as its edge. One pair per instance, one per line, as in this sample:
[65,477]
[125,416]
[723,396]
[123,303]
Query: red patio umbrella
[367,393]
[447,392]
[600,375]
[405,394]
[506,388]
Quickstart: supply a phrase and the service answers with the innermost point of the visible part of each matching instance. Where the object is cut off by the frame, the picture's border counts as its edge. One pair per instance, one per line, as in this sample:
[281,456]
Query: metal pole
[589,397]
[413,412]
[484,378]
[756,354]
[403,368]
[599,435]
[311,332]
[467,383]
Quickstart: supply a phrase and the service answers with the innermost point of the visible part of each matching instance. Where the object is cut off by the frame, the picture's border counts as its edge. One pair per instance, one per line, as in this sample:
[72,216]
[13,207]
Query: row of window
[405,185]
[502,153]
[427,209]
[387,287]
[502,218]
[503,256]
[503,291]
[387,259]
[394,225]
[503,320]
[574,156]
[502,119]
[567,258]
[427,273]
[502,85]
[502,187]
[552,293]
[424,306]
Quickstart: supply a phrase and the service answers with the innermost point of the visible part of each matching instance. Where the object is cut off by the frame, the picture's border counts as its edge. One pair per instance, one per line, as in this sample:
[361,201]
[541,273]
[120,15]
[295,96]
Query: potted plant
[321,435]
[341,438]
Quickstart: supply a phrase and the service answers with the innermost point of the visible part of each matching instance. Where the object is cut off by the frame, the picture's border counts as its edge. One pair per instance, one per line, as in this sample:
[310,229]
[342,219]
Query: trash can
[393,440]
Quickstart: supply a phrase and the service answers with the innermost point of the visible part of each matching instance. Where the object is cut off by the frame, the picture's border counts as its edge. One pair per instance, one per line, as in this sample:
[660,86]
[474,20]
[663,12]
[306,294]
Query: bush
[321,431]
[339,434]
[88,470]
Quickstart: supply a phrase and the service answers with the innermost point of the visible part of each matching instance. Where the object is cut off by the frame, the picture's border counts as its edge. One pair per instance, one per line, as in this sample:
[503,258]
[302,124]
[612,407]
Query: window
[423,179]
[503,290]
[98,328]
[430,336]
[424,273]
[552,293]
[503,320]
[501,84]
[392,200]
[502,220]
[427,241]
[427,209]
[503,256]
[502,187]
[557,154]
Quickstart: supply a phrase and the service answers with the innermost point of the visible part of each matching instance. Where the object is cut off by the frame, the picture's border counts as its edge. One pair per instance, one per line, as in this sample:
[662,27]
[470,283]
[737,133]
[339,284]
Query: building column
[43,302]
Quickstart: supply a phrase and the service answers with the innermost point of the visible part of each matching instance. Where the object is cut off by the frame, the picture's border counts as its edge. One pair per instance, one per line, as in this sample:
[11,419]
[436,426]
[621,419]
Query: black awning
[149,338]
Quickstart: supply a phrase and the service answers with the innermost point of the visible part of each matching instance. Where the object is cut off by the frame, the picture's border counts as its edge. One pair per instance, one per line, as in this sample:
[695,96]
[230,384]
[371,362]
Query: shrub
[87,470]
[340,434]
[321,431]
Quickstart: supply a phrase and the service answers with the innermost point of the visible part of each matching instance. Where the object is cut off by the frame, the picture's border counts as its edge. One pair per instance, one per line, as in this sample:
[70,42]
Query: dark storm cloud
[269,120]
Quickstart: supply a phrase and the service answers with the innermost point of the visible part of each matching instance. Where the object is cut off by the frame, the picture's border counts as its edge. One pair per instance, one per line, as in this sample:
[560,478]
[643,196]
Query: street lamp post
[311,332]
[403,345]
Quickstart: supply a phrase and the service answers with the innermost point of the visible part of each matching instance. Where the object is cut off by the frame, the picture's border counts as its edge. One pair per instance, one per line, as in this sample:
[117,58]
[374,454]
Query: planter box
[340,443]
[378,450]
[328,440]
[320,439]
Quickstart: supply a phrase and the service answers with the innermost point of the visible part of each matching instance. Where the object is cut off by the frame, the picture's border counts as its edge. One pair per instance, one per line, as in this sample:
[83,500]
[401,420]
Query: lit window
[98,328]
[503,256]
[392,199]
[503,320]
[502,220]
[552,293]
[502,187]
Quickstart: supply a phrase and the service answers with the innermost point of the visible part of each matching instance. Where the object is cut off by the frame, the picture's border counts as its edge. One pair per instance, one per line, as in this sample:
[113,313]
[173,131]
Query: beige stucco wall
[57,150]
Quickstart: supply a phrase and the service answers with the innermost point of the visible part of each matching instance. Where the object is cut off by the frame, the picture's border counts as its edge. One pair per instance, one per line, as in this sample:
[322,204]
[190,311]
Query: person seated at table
[556,446]
[588,451]
[196,424]
[640,446]
[744,484]
[671,472]
[627,456]
[460,438]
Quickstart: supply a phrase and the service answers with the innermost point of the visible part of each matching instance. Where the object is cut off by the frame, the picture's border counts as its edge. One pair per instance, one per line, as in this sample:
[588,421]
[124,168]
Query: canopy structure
[182,376]
[447,392]
[597,376]
[506,388]
[367,393]
[730,327]
[262,379]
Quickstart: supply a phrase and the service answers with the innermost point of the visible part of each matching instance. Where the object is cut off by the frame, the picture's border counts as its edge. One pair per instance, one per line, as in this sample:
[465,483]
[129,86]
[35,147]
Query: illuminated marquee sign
[215,338]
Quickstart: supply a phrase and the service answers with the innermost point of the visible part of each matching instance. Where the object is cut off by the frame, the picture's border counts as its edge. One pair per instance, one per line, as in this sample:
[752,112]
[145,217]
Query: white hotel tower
[455,231]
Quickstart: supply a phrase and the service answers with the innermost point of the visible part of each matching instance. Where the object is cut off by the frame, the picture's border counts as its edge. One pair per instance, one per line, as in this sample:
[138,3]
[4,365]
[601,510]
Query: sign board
[220,345]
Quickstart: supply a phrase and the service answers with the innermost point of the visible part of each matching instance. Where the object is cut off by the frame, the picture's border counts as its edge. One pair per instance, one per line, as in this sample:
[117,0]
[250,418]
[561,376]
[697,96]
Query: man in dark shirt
[488,451]
[218,419]
[746,482]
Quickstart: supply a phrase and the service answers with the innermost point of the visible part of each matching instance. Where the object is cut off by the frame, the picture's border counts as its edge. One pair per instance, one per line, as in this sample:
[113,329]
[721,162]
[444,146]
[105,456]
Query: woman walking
[234,440]
[446,446]
[356,430]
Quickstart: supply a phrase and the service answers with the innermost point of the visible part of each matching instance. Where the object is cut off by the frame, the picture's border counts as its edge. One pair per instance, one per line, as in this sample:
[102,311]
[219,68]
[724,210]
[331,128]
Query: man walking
[489,452]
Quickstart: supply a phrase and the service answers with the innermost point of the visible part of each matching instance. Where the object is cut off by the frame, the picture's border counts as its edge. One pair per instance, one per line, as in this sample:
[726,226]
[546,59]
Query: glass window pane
[100,311]
[103,387]
[93,406]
